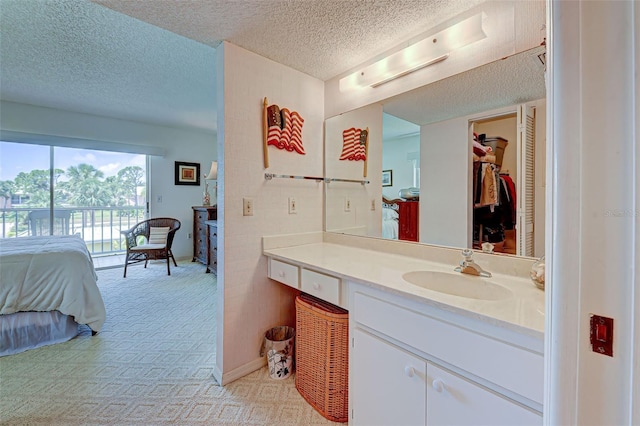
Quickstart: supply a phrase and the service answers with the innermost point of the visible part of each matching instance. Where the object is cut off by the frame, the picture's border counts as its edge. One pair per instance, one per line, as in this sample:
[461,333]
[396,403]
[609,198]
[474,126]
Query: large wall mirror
[425,183]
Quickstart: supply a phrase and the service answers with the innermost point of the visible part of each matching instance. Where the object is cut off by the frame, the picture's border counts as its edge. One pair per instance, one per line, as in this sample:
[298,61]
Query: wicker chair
[150,250]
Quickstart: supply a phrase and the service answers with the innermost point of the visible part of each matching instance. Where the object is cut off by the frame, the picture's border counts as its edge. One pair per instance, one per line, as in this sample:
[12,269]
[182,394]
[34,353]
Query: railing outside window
[99,227]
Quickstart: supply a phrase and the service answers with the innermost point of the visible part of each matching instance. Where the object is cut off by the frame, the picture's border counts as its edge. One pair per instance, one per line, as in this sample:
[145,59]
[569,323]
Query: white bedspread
[50,274]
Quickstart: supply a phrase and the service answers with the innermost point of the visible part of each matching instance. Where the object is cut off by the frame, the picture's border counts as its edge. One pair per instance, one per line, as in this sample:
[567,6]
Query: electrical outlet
[247,206]
[189,235]
[347,204]
[293,206]
[373,204]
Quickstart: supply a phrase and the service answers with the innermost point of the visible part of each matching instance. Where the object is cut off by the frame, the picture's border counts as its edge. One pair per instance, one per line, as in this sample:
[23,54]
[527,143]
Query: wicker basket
[322,356]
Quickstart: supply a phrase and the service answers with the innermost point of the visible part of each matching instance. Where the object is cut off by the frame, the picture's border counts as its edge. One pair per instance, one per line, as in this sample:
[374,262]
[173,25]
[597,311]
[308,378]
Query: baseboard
[217,374]
[235,374]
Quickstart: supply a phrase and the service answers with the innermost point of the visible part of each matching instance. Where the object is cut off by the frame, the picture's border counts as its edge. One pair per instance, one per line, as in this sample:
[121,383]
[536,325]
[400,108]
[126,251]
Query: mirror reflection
[427,182]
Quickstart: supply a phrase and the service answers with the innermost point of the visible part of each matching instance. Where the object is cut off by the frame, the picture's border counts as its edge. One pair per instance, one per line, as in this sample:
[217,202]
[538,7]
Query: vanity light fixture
[430,50]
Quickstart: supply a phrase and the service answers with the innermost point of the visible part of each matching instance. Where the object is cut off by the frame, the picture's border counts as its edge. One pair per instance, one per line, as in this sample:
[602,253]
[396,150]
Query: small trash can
[278,346]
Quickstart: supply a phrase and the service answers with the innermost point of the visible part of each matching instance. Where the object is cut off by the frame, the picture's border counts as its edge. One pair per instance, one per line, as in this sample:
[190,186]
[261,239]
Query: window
[49,190]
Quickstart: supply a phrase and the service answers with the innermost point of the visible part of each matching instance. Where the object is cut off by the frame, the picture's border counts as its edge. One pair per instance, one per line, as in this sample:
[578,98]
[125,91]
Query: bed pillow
[389,214]
[158,235]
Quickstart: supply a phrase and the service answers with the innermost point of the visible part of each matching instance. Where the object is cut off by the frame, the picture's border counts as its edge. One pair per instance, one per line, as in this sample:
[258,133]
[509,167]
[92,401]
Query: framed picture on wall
[387,178]
[187,173]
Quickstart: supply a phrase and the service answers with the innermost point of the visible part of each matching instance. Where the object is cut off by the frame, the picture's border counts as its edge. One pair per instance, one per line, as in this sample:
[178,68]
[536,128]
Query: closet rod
[269,176]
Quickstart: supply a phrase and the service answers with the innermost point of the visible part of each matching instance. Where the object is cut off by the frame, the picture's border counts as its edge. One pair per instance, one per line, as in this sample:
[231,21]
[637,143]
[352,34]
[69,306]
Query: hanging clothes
[511,188]
[486,186]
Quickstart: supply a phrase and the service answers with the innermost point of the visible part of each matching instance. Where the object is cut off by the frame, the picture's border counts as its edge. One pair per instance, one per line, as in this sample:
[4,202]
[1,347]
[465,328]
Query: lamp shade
[213,173]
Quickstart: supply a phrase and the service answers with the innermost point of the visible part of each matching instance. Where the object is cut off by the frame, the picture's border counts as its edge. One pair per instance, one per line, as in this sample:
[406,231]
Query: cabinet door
[453,400]
[408,221]
[388,383]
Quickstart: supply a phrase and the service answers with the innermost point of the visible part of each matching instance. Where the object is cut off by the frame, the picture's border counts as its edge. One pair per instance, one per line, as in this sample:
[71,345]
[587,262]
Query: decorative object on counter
[387,178]
[281,128]
[355,146]
[213,175]
[278,345]
[187,173]
[487,247]
[537,273]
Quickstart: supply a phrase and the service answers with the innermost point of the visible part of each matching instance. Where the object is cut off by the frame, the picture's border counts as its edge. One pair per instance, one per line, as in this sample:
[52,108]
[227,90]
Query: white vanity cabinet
[410,366]
[285,273]
[318,284]
[453,399]
[387,383]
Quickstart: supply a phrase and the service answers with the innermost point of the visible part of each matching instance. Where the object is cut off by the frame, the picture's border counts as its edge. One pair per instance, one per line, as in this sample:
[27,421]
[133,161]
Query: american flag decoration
[282,129]
[355,145]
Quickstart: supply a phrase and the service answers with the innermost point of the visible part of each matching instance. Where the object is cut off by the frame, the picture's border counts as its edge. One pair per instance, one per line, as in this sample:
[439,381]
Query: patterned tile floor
[151,364]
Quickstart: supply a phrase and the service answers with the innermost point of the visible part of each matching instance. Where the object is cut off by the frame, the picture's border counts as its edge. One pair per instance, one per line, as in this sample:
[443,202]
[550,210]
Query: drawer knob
[316,286]
[281,274]
[438,385]
[409,371]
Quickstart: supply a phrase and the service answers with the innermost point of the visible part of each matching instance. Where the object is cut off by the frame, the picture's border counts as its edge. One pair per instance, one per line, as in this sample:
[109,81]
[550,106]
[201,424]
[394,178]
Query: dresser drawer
[284,273]
[513,368]
[320,285]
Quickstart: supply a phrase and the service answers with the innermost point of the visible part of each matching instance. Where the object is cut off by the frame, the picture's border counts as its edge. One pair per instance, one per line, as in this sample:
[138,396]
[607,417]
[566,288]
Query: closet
[503,181]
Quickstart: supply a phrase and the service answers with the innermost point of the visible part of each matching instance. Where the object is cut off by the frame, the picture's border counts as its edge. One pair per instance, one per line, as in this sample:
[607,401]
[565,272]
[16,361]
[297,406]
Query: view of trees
[79,186]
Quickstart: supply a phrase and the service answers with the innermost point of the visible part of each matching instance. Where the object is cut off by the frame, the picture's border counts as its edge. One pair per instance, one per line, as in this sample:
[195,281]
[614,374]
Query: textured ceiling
[154,60]
[79,56]
[322,38]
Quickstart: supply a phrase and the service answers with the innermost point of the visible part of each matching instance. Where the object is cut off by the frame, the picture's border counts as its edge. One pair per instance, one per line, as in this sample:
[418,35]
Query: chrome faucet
[468,266]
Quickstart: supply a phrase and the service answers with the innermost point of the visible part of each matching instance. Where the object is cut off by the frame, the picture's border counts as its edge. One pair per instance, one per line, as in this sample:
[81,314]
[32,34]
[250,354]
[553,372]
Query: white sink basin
[458,284]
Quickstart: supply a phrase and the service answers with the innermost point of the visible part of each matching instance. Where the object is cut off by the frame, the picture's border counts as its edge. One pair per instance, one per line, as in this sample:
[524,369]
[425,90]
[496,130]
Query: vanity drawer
[513,368]
[284,273]
[320,285]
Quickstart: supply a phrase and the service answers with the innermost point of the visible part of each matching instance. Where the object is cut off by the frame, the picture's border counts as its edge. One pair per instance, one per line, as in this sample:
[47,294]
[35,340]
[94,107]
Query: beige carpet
[152,364]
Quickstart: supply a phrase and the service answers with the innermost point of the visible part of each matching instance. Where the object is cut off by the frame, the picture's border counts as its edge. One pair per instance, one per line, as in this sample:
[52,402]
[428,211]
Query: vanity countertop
[521,312]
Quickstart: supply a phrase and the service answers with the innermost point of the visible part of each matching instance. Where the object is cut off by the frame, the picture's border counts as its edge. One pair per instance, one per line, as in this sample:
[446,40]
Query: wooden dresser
[408,218]
[212,238]
[202,214]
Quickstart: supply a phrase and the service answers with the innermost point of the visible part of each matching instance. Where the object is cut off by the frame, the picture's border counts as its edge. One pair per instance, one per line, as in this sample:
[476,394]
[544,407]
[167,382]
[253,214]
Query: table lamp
[213,175]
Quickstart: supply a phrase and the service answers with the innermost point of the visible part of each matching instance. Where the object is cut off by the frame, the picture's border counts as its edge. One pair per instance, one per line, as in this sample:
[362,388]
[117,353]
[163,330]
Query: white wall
[177,144]
[445,183]
[394,158]
[593,236]
[360,219]
[248,302]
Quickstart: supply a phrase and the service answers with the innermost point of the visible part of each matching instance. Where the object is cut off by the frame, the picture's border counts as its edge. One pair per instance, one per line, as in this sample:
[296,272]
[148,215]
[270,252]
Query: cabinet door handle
[281,274]
[438,385]
[316,286]
[409,371]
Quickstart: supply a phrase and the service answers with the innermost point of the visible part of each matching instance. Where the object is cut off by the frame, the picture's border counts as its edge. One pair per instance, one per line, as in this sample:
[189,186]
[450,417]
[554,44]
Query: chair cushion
[158,235]
[145,247]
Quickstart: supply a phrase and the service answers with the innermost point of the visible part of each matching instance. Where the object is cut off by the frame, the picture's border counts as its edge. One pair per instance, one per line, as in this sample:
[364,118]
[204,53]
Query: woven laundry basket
[322,356]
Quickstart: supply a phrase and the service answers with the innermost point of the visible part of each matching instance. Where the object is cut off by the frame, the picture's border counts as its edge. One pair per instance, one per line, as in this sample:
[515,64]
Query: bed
[390,219]
[48,287]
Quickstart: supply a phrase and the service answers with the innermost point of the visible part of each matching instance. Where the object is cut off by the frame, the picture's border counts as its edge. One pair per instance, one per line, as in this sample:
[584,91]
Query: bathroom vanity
[428,345]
